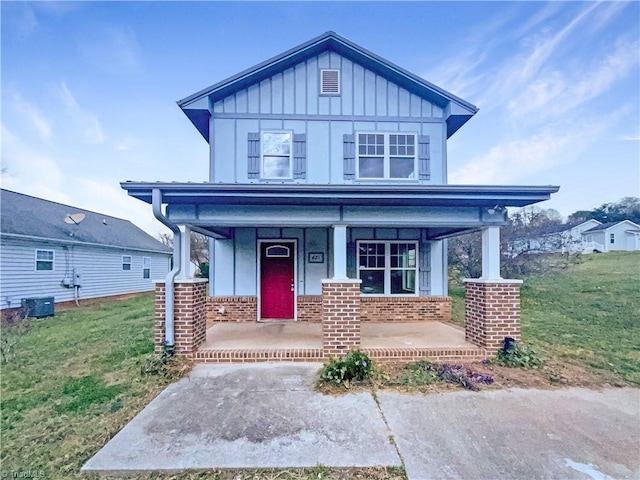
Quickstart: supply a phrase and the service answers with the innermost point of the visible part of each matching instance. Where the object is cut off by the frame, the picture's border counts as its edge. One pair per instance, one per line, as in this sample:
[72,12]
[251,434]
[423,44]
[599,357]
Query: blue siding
[242,257]
[101,270]
[294,93]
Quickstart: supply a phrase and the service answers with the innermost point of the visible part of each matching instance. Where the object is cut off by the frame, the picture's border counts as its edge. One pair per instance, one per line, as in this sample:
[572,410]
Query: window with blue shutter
[276,155]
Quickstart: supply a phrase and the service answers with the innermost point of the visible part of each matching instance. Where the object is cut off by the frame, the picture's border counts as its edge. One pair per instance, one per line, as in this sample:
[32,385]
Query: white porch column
[185,253]
[491,253]
[340,251]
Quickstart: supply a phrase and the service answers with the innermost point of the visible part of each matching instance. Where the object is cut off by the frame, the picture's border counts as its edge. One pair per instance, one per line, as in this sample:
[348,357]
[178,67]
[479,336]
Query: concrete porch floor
[305,335]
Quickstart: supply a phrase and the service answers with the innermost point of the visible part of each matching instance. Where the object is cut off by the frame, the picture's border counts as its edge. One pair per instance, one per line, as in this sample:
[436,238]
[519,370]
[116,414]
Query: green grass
[73,381]
[588,314]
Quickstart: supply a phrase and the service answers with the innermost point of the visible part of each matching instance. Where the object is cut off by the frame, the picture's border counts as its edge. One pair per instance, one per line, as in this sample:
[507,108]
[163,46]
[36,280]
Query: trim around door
[295,273]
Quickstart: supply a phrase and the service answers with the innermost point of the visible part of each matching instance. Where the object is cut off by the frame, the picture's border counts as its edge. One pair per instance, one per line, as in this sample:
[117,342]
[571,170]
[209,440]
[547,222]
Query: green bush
[355,365]
[519,355]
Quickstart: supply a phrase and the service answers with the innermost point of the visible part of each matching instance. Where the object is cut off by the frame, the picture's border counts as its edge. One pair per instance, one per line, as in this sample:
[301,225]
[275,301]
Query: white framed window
[146,267]
[276,154]
[329,81]
[612,238]
[386,156]
[589,238]
[44,260]
[388,267]
[126,262]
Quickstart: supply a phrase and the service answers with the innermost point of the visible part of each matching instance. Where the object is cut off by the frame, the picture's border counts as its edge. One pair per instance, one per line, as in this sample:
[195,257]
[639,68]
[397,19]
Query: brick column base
[492,312]
[340,316]
[189,321]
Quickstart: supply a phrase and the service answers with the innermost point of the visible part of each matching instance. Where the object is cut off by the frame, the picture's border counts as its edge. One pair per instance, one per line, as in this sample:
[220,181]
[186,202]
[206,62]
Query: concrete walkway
[267,415]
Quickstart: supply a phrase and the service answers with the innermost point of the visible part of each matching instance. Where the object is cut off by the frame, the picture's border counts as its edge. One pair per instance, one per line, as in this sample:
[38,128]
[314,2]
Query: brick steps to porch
[213,355]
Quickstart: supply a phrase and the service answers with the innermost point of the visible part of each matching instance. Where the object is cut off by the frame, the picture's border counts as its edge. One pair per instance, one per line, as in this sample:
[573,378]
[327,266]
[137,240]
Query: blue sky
[89,88]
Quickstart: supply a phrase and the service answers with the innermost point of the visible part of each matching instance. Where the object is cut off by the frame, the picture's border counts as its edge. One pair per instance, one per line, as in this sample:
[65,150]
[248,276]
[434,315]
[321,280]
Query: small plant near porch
[354,366]
[514,354]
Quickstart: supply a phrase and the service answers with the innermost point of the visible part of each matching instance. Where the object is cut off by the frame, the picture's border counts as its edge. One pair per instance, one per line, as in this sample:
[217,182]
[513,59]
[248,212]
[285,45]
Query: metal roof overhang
[354,195]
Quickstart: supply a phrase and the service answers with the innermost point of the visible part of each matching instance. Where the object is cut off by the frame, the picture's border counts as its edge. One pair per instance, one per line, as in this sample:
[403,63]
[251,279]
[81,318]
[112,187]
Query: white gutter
[156,196]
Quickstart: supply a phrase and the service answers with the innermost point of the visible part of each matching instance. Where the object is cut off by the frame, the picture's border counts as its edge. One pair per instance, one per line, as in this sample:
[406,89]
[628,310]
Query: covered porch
[340,314]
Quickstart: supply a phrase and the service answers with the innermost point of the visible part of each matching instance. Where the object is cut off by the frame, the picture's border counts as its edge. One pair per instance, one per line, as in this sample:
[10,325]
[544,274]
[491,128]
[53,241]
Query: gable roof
[26,216]
[196,108]
[606,226]
[567,226]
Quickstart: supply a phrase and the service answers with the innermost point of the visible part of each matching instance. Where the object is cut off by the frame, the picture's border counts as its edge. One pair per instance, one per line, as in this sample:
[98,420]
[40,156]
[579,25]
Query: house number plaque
[316,257]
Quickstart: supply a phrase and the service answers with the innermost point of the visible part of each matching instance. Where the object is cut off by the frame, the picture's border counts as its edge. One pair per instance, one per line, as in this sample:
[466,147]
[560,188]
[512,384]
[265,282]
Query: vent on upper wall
[330,82]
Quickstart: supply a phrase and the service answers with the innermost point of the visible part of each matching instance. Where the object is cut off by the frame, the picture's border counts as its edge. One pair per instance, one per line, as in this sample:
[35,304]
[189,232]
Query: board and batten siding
[101,270]
[235,260]
[291,101]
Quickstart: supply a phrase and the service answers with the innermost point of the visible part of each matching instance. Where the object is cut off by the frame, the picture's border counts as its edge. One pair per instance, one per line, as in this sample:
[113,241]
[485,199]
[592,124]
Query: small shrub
[517,355]
[14,324]
[353,366]
[165,365]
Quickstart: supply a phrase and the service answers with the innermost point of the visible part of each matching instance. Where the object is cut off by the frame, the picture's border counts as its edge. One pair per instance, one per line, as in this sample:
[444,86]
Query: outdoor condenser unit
[39,307]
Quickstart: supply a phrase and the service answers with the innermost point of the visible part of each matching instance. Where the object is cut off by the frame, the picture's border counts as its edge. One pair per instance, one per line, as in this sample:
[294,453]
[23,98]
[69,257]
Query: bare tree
[199,250]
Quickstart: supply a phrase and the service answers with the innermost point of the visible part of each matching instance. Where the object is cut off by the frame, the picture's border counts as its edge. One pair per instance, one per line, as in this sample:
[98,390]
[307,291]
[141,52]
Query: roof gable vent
[329,82]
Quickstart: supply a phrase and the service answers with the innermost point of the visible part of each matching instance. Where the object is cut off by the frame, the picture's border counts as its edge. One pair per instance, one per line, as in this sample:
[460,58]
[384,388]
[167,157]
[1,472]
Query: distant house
[606,237]
[54,250]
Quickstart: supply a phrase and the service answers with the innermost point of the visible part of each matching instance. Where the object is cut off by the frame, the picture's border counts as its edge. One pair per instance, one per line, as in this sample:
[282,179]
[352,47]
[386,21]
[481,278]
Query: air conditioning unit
[38,307]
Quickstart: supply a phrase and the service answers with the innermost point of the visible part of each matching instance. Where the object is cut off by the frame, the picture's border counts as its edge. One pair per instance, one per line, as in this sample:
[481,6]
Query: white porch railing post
[340,252]
[491,253]
[185,251]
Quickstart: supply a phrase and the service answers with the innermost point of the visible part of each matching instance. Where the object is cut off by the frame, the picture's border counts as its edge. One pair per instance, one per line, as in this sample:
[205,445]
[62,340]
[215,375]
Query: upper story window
[612,238]
[126,262]
[44,259]
[386,156]
[276,155]
[329,81]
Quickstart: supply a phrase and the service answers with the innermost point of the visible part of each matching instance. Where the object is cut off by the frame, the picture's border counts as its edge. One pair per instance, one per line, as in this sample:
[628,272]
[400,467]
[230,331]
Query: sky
[89,89]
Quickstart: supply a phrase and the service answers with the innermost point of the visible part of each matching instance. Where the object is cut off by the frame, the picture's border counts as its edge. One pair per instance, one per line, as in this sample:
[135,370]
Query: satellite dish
[74,218]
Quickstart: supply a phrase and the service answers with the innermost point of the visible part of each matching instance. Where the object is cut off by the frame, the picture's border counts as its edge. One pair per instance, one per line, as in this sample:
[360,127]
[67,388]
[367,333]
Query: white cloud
[108,198]
[30,172]
[37,121]
[114,49]
[87,123]
[516,159]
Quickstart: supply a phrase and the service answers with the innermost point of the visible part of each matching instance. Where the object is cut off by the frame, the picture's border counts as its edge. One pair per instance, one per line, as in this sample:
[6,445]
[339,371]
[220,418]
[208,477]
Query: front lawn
[587,315]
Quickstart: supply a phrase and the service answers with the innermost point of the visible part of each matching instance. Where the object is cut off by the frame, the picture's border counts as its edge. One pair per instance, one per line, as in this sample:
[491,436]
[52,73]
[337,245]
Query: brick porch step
[213,355]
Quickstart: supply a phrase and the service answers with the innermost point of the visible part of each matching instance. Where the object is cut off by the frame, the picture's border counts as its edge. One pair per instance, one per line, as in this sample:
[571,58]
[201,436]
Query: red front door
[277,282]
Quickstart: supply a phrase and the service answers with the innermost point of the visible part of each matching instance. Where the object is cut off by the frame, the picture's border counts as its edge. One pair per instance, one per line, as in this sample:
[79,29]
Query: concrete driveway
[267,415]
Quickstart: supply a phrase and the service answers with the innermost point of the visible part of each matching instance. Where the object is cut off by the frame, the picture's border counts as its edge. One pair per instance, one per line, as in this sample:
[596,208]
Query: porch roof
[487,196]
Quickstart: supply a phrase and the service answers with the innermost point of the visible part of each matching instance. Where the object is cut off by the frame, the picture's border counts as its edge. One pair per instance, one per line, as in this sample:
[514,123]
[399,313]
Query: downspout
[156,197]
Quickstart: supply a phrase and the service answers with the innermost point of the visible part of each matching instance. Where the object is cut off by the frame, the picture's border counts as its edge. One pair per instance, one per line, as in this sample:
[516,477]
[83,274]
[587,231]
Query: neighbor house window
[612,238]
[126,262]
[386,155]
[276,155]
[146,267]
[388,268]
[44,260]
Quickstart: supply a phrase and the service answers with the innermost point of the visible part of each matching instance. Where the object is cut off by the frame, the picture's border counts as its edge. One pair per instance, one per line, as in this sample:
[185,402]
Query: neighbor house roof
[196,106]
[31,217]
[565,226]
[606,226]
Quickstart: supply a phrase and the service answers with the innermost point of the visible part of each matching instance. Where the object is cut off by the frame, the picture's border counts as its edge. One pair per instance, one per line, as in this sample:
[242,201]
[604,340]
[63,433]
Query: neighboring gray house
[54,250]
[606,237]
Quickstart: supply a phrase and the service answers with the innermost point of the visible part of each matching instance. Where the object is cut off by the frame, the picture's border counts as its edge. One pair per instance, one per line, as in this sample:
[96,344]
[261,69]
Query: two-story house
[328,202]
